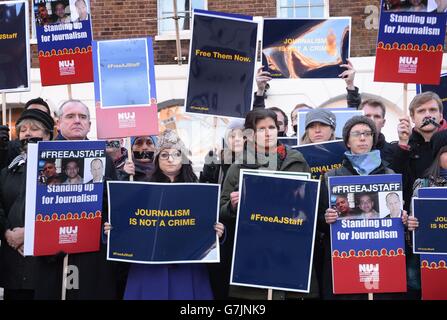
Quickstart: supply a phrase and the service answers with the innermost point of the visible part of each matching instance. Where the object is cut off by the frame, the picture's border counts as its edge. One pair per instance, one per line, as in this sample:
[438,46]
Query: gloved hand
[4,136]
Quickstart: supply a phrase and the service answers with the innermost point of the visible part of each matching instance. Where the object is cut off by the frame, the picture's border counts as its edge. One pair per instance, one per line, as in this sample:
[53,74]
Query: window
[166,23]
[303,8]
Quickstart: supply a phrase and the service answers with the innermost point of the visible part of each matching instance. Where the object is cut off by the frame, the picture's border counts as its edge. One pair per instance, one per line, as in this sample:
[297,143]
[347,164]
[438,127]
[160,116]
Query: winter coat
[16,271]
[293,162]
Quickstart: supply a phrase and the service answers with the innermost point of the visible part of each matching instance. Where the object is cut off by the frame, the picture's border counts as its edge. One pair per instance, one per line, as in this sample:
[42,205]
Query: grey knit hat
[359,120]
[321,115]
[169,139]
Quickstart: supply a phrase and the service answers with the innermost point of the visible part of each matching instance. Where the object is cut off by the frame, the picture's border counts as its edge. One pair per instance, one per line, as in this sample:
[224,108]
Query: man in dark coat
[413,155]
[93,277]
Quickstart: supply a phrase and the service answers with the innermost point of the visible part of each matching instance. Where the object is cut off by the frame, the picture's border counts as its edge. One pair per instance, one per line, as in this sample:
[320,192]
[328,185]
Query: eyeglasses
[357,134]
[175,155]
[113,144]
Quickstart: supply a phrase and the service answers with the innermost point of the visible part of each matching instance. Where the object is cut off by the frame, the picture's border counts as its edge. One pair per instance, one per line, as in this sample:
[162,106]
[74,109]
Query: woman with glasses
[170,281]
[360,137]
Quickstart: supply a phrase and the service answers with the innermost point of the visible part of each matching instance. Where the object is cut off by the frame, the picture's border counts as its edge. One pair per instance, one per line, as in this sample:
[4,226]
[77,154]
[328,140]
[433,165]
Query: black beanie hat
[437,141]
[359,120]
[40,101]
[40,116]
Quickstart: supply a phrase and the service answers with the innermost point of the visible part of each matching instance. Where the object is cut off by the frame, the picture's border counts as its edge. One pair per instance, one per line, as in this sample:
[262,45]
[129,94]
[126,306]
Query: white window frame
[170,35]
[325,3]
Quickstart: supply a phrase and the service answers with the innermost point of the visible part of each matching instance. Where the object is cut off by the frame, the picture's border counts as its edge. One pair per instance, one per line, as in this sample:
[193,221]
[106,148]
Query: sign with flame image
[305,48]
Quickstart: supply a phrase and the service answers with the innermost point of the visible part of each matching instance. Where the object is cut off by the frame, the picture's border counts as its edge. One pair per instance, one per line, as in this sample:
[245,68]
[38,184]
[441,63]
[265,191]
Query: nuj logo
[369,275]
[68,230]
[408,60]
[126,116]
[369,267]
[66,63]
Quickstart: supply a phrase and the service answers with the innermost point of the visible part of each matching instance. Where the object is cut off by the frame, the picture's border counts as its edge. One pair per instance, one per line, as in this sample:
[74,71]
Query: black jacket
[411,163]
[8,152]
[16,271]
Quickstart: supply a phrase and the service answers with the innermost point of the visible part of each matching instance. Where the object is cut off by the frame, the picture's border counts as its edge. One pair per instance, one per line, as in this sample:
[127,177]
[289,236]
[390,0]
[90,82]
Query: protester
[413,155]
[98,278]
[372,108]
[169,281]
[16,271]
[11,149]
[216,167]
[283,121]
[262,151]
[142,166]
[435,176]
[115,149]
[319,126]
[359,136]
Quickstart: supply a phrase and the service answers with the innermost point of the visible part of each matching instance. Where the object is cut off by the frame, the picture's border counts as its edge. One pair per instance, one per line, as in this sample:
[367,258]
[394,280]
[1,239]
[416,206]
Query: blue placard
[275,232]
[64,196]
[222,65]
[322,157]
[368,239]
[124,72]
[432,192]
[163,222]
[431,235]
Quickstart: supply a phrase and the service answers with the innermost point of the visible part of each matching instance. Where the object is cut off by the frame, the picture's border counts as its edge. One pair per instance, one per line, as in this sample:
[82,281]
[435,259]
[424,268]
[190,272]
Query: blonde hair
[306,140]
[31,122]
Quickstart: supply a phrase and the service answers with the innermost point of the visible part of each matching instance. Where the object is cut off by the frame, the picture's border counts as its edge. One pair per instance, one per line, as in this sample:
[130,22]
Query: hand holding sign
[403,130]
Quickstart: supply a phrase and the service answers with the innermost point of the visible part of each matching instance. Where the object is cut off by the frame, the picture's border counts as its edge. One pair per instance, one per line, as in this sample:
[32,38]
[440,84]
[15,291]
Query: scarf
[364,163]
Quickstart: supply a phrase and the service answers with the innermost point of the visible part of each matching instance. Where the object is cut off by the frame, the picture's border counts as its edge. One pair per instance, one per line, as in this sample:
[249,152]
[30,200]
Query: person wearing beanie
[42,119]
[217,163]
[11,149]
[143,149]
[39,104]
[319,126]
[16,271]
[167,281]
[359,136]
